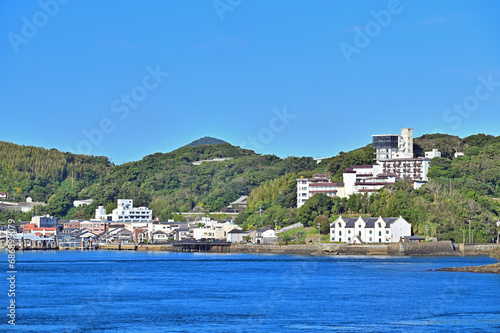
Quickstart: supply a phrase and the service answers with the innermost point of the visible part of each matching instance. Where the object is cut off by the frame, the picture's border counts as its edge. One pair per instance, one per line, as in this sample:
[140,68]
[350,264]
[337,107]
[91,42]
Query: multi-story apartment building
[125,212]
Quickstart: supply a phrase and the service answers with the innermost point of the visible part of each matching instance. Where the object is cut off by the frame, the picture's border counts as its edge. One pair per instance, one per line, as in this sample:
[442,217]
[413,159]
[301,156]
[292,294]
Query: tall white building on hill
[395,161]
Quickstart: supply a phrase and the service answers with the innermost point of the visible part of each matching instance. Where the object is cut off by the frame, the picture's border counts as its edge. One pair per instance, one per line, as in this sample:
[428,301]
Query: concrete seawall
[477,249]
[441,248]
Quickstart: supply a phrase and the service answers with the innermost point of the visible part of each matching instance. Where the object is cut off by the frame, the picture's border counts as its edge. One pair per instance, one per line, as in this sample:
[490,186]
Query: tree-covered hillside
[167,183]
[39,173]
[460,189]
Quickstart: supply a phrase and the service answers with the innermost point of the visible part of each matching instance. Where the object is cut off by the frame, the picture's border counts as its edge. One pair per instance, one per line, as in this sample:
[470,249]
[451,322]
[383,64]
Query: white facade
[125,212]
[370,230]
[433,153]
[307,187]
[371,178]
[389,146]
[203,233]
[78,203]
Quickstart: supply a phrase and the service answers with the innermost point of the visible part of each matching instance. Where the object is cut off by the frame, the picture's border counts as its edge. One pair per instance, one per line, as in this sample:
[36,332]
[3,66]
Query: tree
[495,253]
[319,204]
[286,238]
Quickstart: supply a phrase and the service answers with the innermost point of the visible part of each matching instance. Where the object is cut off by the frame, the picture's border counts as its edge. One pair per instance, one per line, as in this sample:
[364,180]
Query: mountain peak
[207,140]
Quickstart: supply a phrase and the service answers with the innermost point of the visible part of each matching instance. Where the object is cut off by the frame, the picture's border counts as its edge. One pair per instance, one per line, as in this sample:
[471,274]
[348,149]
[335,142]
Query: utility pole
[469,231]
[319,233]
[463,233]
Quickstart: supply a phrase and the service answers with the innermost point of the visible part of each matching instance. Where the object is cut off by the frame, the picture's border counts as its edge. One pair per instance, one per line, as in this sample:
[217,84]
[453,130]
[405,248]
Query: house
[96,227]
[236,236]
[167,227]
[4,195]
[222,229]
[181,234]
[72,224]
[413,239]
[266,236]
[369,230]
[160,236]
[202,233]
[238,205]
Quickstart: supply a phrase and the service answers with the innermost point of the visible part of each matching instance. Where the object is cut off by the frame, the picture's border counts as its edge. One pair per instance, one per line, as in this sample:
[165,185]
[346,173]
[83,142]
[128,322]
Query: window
[380,240]
[387,232]
[359,234]
[370,232]
[380,233]
[348,231]
[349,239]
[340,239]
[340,233]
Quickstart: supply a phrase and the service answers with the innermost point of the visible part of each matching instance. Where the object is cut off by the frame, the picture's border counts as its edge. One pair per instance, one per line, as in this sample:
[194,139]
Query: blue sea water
[111,291]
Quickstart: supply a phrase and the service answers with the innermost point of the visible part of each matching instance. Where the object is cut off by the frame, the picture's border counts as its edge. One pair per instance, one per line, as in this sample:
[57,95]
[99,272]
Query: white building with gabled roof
[369,230]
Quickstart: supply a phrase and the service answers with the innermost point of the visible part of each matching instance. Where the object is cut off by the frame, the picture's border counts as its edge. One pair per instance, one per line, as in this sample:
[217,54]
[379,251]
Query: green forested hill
[166,182]
[39,173]
[461,189]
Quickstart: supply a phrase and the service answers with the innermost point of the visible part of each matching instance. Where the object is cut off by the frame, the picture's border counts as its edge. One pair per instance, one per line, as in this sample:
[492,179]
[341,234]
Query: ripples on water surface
[183,292]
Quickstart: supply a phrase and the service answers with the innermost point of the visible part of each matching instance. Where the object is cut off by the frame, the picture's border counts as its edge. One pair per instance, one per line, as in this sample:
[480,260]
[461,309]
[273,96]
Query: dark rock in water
[493,268]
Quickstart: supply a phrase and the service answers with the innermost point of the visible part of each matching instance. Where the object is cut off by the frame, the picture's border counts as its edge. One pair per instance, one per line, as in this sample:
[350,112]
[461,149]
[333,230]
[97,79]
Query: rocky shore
[492,268]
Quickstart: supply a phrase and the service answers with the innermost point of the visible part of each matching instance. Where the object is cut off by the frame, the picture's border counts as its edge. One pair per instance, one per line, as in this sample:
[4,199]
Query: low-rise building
[266,236]
[369,230]
[202,233]
[4,195]
[72,224]
[96,227]
[236,236]
[31,228]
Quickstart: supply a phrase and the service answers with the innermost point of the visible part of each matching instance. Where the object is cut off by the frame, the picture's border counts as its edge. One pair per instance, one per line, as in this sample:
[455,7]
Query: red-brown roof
[326,184]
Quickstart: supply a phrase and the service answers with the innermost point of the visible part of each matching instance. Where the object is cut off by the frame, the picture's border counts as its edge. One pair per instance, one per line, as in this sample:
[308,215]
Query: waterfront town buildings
[369,230]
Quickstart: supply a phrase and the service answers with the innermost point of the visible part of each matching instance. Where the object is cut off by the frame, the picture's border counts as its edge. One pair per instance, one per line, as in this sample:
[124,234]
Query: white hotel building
[307,187]
[369,230]
[395,161]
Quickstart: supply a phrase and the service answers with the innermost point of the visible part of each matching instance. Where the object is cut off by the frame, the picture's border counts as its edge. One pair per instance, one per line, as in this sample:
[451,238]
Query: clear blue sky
[332,71]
